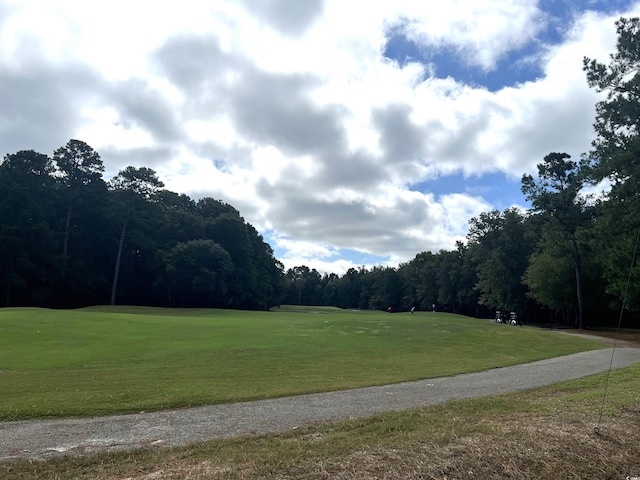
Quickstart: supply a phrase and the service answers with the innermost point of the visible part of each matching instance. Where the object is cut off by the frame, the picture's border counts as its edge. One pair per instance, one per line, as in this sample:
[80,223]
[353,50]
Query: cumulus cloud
[274,110]
[477,33]
[291,17]
[37,104]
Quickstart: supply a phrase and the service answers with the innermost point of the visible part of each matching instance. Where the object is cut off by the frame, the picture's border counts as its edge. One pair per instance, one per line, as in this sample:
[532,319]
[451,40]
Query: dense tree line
[70,238]
[569,259]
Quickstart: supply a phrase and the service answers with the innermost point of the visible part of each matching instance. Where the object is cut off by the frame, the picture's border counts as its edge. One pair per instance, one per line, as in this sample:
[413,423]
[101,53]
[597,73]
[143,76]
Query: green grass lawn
[105,360]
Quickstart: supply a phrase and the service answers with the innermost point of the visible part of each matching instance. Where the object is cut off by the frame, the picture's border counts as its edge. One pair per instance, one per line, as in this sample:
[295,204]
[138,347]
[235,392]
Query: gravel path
[47,438]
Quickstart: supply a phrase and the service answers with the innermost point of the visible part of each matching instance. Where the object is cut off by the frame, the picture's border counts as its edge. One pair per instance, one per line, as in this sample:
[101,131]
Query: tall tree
[349,288]
[419,277]
[556,193]
[385,289]
[455,281]
[499,247]
[79,170]
[26,213]
[618,116]
[616,157]
[305,284]
[134,188]
[268,287]
[550,274]
[465,279]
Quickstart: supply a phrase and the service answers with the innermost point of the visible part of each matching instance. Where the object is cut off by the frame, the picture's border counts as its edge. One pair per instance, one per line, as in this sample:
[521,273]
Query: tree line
[569,259]
[70,238]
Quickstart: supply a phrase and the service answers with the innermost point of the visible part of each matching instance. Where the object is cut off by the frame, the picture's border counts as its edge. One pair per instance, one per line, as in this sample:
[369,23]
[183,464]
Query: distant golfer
[413,309]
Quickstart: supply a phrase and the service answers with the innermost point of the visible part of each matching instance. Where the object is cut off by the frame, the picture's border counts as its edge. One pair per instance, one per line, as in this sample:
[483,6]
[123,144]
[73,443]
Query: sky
[347,132]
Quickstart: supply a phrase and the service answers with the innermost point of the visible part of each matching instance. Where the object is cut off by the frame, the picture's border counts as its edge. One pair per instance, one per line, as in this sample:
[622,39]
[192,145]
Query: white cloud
[478,33]
[289,111]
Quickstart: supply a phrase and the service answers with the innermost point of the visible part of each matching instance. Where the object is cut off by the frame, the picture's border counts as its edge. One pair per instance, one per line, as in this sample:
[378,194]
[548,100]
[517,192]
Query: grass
[544,434]
[105,360]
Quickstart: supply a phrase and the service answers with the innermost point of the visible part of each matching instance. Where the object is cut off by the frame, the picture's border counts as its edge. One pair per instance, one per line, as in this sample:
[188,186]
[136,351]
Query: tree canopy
[68,239]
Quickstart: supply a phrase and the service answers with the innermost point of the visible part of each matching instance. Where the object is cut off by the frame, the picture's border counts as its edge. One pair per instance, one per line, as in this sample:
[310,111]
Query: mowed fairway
[105,360]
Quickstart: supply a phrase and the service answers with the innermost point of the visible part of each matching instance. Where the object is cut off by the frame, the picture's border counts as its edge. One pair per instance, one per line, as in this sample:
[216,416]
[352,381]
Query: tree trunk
[8,290]
[114,287]
[65,245]
[576,257]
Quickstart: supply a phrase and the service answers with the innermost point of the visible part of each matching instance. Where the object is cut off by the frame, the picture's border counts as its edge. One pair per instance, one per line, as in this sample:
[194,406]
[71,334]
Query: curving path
[41,439]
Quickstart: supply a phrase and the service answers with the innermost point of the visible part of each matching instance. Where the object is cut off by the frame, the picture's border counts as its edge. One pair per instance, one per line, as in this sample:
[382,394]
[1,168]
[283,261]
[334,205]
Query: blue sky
[510,70]
[515,66]
[348,133]
[496,188]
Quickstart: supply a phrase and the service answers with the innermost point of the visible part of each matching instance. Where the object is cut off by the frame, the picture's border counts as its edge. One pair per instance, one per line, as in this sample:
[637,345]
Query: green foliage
[556,191]
[550,275]
[304,285]
[78,165]
[27,235]
[616,157]
[201,268]
[618,116]
[69,239]
[500,246]
[556,194]
[80,193]
[137,182]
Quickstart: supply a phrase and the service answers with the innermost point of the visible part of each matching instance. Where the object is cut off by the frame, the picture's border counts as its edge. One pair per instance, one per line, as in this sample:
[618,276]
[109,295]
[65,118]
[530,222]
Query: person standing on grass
[413,309]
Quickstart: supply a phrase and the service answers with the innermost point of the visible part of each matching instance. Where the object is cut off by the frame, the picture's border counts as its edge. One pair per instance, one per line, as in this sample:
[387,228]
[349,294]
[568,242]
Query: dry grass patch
[545,447]
[460,440]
